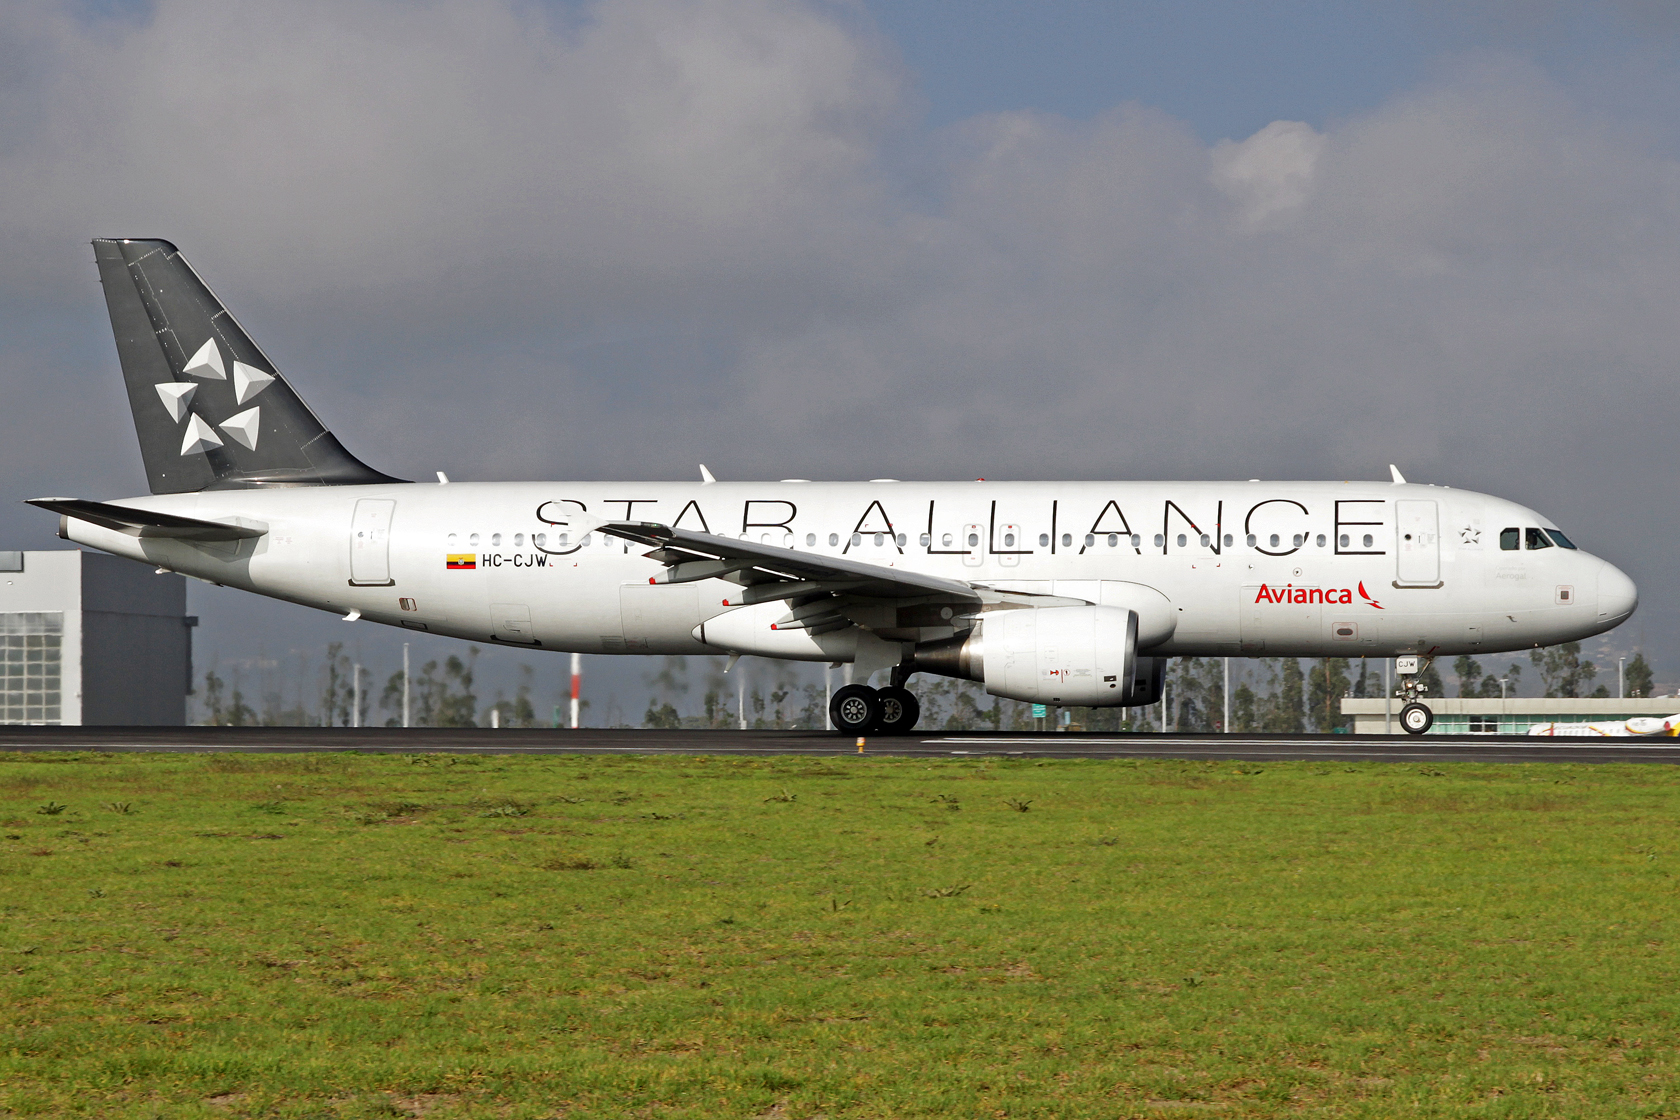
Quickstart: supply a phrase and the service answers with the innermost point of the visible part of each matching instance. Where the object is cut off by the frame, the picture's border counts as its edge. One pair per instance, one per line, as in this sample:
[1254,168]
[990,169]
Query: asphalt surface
[1253,748]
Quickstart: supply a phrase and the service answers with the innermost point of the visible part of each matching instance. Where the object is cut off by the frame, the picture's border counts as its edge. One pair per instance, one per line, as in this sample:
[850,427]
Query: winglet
[706,478]
[1399,479]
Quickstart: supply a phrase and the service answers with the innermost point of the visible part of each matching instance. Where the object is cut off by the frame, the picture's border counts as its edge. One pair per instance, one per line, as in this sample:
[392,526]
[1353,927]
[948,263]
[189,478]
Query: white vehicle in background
[1611,729]
[1064,593]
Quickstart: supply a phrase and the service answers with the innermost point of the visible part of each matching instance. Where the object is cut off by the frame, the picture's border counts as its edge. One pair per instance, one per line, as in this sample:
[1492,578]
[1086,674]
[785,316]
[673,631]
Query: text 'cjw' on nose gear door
[370,543]
[1417,544]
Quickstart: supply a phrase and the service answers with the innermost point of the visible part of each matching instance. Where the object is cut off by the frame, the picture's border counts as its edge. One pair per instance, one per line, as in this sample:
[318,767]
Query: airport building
[1514,716]
[92,639]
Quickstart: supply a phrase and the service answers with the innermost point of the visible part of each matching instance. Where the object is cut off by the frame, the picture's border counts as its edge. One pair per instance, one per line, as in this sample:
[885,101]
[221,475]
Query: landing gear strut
[858,709]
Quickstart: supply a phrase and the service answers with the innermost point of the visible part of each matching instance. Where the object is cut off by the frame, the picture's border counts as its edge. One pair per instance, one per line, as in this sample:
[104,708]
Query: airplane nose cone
[1617,596]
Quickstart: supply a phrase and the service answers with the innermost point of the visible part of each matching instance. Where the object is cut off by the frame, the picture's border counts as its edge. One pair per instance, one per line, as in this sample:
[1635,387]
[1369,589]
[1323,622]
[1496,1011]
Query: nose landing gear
[1415,716]
[858,709]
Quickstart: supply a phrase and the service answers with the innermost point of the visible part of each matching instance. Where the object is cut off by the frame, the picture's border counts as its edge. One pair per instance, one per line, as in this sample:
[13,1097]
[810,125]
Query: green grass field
[332,936]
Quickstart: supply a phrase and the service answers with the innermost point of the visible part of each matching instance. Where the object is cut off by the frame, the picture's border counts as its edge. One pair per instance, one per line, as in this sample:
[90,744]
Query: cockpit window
[1559,539]
[1508,539]
[1536,538]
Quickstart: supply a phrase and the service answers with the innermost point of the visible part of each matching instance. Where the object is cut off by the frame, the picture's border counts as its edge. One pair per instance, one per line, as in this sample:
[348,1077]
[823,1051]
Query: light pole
[577,686]
[405,684]
[1503,681]
[355,696]
[1225,727]
[1621,678]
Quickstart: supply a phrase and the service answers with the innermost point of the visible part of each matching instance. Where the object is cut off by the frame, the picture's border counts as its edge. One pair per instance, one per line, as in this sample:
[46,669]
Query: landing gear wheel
[1416,718]
[899,711]
[855,709]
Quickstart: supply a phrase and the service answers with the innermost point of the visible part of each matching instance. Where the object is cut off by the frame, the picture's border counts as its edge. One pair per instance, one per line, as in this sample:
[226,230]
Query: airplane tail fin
[210,409]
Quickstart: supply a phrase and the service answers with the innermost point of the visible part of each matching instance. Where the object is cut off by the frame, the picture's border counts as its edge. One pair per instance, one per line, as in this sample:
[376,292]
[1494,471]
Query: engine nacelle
[1072,656]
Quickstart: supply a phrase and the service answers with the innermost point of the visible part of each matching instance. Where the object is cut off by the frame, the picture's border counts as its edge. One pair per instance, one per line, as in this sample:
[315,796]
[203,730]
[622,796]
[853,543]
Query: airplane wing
[145,522]
[767,572]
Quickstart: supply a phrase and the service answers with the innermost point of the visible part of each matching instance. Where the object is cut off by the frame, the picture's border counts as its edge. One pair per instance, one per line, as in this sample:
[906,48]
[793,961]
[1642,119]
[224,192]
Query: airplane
[1056,593]
[1611,729]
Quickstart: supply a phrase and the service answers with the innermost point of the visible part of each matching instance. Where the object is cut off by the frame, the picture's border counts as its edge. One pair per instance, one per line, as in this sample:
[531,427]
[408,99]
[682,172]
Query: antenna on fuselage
[706,478]
[1399,479]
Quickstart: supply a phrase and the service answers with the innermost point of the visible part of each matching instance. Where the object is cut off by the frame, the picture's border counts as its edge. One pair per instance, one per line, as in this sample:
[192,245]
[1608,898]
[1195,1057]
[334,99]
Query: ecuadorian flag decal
[462,561]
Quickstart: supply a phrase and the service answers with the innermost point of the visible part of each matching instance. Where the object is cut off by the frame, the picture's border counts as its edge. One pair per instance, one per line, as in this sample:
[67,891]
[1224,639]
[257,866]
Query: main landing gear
[858,709]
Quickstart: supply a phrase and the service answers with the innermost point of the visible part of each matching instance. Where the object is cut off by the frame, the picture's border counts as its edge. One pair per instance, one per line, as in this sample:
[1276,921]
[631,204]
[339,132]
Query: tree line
[1268,694]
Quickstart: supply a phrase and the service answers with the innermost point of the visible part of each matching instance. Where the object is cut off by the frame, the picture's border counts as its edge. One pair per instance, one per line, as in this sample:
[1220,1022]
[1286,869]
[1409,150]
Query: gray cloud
[488,242]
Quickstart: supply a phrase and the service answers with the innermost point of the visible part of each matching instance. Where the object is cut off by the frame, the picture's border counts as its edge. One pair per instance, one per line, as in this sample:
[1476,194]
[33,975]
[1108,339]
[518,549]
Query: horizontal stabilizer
[145,522]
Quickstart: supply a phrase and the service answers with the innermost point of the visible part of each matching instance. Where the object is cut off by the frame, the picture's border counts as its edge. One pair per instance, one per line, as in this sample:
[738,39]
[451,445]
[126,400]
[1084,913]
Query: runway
[957,745]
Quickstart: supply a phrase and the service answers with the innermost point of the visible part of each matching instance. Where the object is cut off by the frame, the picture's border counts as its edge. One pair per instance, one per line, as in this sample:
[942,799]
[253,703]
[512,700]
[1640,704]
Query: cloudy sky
[918,239]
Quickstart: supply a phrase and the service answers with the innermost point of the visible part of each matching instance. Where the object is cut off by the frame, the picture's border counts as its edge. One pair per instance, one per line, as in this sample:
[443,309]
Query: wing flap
[804,572]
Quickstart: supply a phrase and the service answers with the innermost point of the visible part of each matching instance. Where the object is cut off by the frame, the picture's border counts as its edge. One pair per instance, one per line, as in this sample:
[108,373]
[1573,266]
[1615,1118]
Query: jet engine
[1072,656]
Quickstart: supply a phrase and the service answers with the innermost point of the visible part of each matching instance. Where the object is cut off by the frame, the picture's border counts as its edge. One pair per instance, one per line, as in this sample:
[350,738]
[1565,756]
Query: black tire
[899,711]
[1416,718]
[855,709]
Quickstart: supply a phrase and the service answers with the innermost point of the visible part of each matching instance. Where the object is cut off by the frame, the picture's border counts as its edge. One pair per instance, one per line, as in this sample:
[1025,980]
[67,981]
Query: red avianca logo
[1292,594]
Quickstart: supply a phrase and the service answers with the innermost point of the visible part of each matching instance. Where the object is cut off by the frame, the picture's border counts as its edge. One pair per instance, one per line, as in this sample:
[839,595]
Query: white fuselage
[1248,568]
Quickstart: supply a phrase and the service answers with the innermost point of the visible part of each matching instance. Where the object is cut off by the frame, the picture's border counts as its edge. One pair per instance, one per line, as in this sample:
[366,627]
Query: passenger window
[1342,541]
[1559,539]
[1321,540]
[857,539]
[1181,540]
[587,538]
[810,540]
[1009,540]
[1536,539]
[452,538]
[496,540]
[1370,541]
[901,540]
[833,539]
[926,540]
[1067,540]
[1205,540]
[973,540]
[1253,540]
[1114,540]
[472,541]
[1160,541]
[1298,539]
[540,539]
[1228,539]
[1274,540]
[519,540]
[560,542]
[945,541]
[1137,540]
[1044,540]
[1091,540]
[1508,539]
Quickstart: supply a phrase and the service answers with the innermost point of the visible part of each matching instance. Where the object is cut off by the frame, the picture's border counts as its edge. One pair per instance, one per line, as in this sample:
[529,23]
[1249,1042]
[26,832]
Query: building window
[31,659]
[1483,725]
